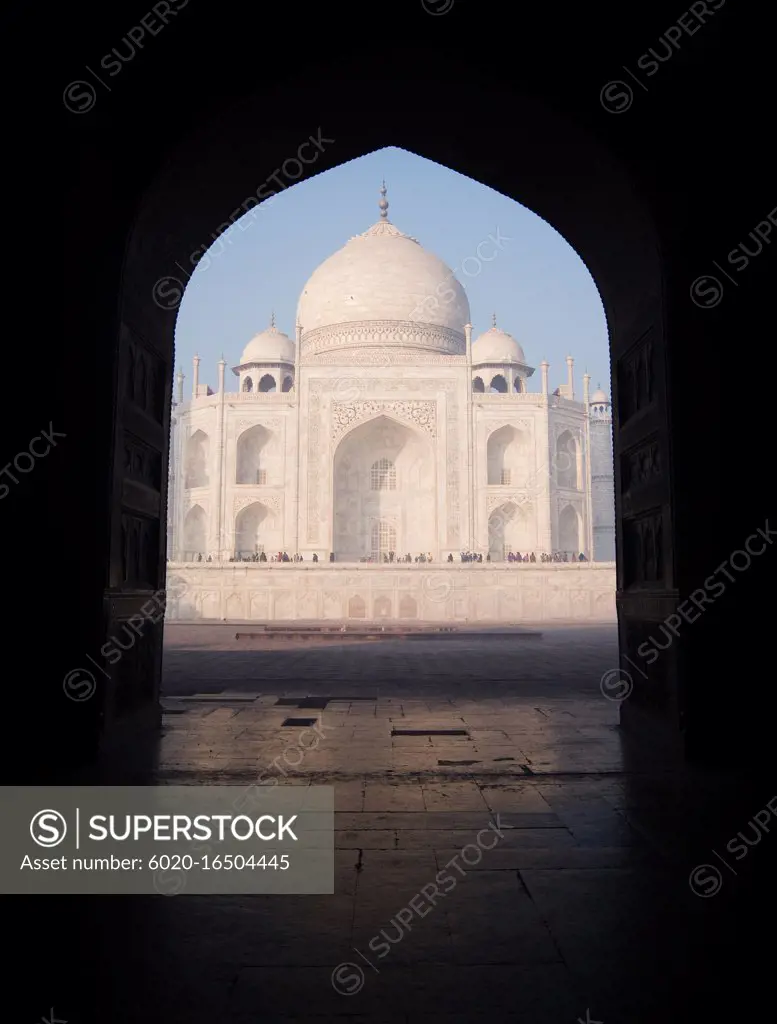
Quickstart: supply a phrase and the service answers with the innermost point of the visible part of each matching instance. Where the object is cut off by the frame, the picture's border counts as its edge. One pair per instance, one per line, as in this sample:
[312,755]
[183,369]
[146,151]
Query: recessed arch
[568,459]
[248,384]
[508,454]
[267,384]
[569,531]
[251,455]
[509,530]
[498,384]
[250,529]
[383,471]
[288,384]
[478,386]
[195,533]
[197,452]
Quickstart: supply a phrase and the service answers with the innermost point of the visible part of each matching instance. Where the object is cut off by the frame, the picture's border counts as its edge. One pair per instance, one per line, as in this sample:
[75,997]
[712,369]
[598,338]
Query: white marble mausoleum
[383,429]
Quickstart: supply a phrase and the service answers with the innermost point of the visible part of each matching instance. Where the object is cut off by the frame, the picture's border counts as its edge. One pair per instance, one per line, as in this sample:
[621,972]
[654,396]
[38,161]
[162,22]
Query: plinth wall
[475,593]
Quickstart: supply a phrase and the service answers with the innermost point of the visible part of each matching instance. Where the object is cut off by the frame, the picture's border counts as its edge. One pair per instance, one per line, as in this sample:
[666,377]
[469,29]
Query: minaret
[589,504]
[602,478]
[196,377]
[179,388]
[570,379]
[470,443]
[219,492]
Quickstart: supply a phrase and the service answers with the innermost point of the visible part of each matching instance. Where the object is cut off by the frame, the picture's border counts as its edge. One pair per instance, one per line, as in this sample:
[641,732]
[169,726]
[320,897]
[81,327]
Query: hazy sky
[537,285]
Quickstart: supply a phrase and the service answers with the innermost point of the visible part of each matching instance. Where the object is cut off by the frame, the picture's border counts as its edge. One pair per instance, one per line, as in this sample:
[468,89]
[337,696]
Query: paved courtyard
[574,903]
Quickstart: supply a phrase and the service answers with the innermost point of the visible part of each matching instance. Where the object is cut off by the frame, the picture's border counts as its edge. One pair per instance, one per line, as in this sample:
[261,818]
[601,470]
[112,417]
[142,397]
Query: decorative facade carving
[385,357]
[268,422]
[518,498]
[493,425]
[383,334]
[417,413]
[273,502]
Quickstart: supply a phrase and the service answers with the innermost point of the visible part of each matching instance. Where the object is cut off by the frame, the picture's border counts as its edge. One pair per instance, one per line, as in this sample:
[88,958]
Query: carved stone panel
[636,380]
[139,550]
[641,465]
[142,463]
[644,549]
[145,380]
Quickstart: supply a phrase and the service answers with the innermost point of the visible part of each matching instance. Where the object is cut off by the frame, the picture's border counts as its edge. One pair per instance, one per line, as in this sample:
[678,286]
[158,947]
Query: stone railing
[520,397]
[260,396]
[457,566]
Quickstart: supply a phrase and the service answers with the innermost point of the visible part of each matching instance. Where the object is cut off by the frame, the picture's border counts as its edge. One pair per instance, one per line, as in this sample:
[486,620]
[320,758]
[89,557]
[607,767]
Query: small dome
[497,346]
[270,346]
[599,398]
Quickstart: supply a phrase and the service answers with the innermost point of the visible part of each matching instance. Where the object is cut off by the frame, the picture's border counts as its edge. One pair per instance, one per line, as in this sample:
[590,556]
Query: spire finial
[272,320]
[493,319]
[383,203]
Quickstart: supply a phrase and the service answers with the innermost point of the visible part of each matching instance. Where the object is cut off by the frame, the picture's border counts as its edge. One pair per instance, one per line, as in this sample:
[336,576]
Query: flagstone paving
[519,872]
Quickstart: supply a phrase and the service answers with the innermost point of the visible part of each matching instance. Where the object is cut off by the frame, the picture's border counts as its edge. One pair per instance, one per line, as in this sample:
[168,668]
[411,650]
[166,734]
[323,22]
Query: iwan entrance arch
[199,184]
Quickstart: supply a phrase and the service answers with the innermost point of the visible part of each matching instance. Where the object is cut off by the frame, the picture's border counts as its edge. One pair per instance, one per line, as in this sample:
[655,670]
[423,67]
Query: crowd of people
[530,556]
[392,557]
[280,556]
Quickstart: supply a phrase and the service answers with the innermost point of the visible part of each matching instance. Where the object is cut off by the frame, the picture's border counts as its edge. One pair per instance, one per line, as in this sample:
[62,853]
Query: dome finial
[493,319]
[272,320]
[383,203]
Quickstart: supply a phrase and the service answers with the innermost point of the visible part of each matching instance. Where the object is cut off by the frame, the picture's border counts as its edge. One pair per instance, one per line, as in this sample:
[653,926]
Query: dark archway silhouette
[652,194]
[579,166]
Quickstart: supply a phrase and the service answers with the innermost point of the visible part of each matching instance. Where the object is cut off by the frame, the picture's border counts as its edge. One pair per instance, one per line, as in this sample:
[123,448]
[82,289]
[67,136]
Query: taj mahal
[382,463]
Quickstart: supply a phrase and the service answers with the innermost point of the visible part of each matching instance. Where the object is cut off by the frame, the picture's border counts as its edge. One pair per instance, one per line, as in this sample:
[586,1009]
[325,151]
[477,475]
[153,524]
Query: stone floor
[582,909]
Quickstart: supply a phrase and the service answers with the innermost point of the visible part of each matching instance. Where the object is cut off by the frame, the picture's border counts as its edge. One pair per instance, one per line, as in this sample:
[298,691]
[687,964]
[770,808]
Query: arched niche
[508,457]
[251,457]
[196,459]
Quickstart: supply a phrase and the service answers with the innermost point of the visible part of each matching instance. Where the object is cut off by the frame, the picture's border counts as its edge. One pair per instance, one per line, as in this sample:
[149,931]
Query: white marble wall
[582,592]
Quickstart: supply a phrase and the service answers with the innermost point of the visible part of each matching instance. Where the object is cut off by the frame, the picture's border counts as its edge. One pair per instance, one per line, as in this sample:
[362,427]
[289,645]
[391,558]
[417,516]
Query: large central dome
[383,289]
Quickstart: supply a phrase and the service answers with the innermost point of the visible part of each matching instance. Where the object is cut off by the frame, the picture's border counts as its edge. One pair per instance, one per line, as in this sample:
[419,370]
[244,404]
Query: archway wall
[564,176]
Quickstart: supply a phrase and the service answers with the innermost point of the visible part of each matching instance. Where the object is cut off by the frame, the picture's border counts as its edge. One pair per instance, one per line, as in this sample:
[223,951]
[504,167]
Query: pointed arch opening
[570,540]
[195,534]
[383,471]
[251,465]
[508,457]
[510,531]
[250,530]
[197,451]
[569,474]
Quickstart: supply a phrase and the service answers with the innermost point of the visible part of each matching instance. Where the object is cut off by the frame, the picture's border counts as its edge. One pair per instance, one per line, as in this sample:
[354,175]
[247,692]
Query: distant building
[384,430]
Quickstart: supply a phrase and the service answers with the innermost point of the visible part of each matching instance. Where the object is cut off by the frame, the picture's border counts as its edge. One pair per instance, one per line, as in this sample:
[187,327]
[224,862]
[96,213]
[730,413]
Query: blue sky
[539,288]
